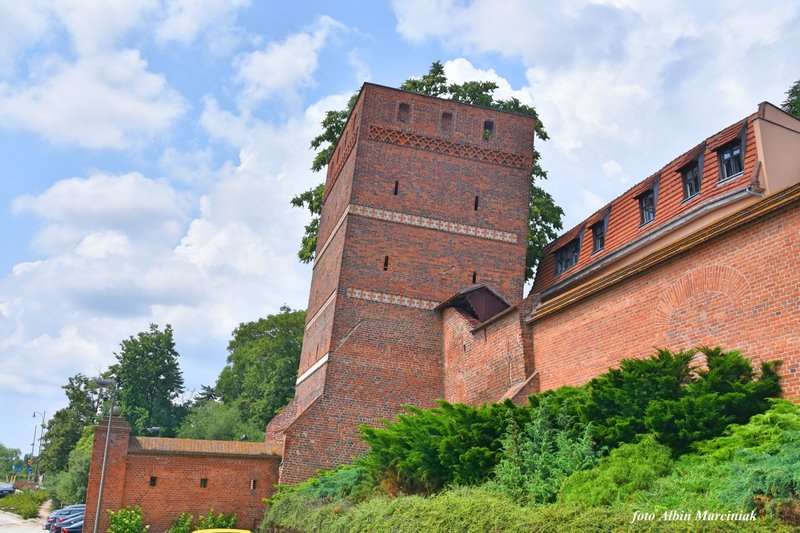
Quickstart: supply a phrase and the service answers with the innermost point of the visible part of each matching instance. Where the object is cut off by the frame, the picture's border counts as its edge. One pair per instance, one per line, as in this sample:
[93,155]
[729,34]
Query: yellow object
[221,531]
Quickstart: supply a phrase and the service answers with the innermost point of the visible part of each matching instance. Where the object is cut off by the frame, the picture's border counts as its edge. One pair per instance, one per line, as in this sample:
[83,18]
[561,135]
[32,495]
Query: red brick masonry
[417,291]
[163,476]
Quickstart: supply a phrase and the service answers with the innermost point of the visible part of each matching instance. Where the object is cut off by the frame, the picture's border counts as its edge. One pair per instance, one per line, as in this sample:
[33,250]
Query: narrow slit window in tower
[403,113]
[447,122]
[386,262]
[477,200]
[488,130]
[474,277]
[396,187]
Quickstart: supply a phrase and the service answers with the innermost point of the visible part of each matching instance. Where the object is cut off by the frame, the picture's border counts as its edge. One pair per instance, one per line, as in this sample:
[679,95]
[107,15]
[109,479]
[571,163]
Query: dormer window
[403,113]
[730,160]
[598,236]
[647,206]
[567,256]
[691,180]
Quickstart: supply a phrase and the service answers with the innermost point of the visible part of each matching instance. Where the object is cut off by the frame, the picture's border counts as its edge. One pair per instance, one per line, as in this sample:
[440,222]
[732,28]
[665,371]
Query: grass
[25,504]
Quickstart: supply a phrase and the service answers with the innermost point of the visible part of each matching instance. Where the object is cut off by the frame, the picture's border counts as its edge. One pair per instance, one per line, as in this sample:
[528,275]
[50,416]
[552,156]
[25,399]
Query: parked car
[74,526]
[6,489]
[65,518]
[61,512]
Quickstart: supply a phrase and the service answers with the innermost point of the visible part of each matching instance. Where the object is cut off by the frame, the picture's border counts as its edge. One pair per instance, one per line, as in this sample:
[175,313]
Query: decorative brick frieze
[432,223]
[394,299]
[443,146]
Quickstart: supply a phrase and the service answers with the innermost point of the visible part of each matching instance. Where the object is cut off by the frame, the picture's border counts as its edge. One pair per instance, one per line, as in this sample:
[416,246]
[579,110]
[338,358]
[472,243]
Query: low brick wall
[166,477]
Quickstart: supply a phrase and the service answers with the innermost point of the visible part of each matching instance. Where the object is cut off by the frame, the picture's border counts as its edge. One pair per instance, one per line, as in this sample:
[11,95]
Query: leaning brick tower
[424,197]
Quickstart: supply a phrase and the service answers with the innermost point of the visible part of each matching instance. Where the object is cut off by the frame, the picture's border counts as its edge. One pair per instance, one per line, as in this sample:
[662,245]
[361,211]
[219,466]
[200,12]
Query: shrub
[126,520]
[183,524]
[617,400]
[424,450]
[471,510]
[216,520]
[25,504]
[665,396]
[538,458]
[751,466]
[725,393]
[628,469]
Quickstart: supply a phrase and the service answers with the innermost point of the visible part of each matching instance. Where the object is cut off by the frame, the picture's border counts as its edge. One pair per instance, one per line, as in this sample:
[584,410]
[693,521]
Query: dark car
[69,509]
[69,515]
[6,489]
[74,526]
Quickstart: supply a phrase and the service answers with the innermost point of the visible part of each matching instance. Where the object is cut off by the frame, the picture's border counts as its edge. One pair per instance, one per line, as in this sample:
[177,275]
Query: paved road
[10,523]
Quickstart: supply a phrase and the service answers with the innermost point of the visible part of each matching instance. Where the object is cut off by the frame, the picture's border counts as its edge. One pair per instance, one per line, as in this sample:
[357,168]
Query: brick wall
[739,291]
[404,189]
[177,476]
[481,367]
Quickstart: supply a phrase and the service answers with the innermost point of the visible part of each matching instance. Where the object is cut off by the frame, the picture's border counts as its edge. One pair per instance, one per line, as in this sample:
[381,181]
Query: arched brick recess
[702,305]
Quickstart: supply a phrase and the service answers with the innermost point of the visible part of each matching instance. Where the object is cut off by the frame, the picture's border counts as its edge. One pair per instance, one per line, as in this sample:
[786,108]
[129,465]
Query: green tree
[262,365]
[9,459]
[792,102]
[69,486]
[544,218]
[218,421]
[150,380]
[66,425]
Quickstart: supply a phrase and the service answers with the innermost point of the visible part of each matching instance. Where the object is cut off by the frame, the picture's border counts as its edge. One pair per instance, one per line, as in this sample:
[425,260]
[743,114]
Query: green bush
[537,458]
[216,520]
[25,504]
[725,393]
[665,396]
[126,520]
[424,450]
[183,524]
[617,400]
[628,469]
[753,465]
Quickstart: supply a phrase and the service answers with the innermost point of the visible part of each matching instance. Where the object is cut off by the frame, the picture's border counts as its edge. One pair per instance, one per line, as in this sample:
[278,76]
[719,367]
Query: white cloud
[103,101]
[187,20]
[282,66]
[104,200]
[636,83]
[96,26]
[102,244]
[191,167]
[21,25]
[461,70]
[518,28]
[117,252]
[611,168]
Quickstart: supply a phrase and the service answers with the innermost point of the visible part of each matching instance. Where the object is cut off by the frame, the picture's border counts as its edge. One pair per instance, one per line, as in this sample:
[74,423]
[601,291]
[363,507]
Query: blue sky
[150,148]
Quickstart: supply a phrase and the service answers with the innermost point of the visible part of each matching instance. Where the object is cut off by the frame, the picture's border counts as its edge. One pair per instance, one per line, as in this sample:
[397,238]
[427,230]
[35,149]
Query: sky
[150,148]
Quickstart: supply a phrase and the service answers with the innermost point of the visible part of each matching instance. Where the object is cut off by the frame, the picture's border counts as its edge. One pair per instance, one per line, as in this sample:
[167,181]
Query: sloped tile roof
[623,212]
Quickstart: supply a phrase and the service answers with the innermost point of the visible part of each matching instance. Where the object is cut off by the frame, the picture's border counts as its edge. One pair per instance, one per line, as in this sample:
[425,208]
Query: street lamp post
[104,383]
[41,434]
